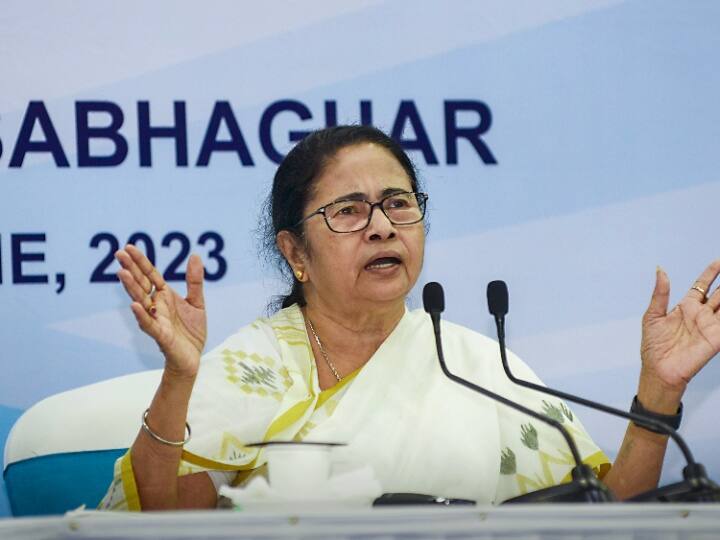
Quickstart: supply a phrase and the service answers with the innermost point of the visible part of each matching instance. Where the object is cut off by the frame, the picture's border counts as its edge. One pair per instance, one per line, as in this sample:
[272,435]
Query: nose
[380,227]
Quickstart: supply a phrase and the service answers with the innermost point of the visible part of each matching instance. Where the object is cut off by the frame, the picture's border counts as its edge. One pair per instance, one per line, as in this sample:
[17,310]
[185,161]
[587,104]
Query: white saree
[419,431]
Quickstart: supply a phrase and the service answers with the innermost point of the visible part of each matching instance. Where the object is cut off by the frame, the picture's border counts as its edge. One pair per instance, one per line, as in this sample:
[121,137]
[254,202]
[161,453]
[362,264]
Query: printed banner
[567,148]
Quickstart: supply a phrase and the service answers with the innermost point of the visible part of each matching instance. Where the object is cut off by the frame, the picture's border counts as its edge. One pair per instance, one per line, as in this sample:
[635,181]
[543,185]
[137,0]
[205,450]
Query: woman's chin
[388,292]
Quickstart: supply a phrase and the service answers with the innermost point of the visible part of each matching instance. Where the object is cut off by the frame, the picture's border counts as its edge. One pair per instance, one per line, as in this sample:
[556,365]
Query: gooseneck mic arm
[586,486]
[694,473]
[497,295]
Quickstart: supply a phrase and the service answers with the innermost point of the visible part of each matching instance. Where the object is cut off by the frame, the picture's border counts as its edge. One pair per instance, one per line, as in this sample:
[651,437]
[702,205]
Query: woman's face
[372,267]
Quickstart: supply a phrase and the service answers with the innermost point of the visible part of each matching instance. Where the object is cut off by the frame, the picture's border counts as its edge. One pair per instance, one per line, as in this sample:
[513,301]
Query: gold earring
[299,274]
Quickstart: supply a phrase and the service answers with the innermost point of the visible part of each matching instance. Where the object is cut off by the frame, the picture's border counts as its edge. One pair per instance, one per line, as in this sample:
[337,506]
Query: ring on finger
[152,308]
[699,289]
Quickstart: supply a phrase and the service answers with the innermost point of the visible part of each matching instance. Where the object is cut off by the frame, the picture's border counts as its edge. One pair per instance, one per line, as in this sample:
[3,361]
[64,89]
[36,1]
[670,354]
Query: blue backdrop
[568,148]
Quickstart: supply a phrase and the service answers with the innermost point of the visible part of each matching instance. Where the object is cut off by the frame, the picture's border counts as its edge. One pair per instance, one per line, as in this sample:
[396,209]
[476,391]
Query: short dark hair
[293,185]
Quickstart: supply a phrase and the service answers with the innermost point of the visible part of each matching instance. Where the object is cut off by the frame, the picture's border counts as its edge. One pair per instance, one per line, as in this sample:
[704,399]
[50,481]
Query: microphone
[584,487]
[695,486]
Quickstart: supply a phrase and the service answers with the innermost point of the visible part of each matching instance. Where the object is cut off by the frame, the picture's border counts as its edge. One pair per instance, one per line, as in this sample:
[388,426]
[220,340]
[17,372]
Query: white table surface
[526,522]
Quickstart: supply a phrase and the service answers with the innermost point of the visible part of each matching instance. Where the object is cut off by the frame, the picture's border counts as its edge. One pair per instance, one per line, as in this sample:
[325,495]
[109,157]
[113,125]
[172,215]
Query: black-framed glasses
[351,215]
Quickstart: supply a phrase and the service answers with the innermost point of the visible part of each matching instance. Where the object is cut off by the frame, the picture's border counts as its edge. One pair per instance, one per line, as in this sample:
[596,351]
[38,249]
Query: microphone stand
[695,486]
[584,486]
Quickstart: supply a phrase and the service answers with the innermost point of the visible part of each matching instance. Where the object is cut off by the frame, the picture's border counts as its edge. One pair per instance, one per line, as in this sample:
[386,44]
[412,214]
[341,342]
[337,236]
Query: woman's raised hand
[177,324]
[677,344]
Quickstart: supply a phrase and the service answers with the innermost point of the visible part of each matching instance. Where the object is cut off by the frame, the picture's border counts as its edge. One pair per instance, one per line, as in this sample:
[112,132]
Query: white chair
[60,453]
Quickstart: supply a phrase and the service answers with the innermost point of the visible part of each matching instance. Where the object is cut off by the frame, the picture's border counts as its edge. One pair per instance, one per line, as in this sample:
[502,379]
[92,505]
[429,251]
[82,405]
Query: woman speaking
[344,360]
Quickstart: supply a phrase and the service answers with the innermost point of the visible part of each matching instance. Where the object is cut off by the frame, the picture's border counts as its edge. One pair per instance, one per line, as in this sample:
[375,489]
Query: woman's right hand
[178,325]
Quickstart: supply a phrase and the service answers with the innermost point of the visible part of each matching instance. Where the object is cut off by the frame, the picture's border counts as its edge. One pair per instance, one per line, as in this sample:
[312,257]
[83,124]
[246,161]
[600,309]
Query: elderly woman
[344,360]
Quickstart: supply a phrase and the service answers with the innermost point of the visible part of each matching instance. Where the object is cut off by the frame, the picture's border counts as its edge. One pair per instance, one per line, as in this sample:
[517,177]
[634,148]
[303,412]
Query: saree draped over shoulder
[420,431]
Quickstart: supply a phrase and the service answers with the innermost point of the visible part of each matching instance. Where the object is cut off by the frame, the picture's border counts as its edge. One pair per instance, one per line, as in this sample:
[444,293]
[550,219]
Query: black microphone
[584,487]
[695,486]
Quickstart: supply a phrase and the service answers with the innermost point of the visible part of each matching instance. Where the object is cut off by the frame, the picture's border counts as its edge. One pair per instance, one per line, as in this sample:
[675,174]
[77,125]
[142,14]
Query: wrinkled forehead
[365,171]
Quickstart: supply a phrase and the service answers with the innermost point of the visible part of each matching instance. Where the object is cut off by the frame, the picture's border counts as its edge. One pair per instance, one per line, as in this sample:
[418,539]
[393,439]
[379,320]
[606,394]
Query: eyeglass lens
[349,216]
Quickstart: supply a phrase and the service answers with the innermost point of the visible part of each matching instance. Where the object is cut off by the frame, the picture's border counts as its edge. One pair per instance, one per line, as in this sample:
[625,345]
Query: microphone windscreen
[433,297]
[497,297]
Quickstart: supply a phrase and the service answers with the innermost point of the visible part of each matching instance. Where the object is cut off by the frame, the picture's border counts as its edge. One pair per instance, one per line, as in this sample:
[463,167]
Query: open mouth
[382,262]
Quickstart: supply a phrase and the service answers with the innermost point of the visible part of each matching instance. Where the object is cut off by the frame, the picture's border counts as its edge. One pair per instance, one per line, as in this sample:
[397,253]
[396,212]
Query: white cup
[298,470]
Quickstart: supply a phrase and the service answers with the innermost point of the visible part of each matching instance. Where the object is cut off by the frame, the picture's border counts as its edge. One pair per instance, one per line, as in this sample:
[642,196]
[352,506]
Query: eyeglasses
[351,215]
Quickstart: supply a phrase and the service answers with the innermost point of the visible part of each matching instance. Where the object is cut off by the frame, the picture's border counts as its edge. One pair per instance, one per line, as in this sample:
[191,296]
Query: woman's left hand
[676,345]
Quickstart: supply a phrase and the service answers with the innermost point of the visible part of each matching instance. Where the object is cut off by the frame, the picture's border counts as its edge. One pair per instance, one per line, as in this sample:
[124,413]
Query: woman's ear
[293,250]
